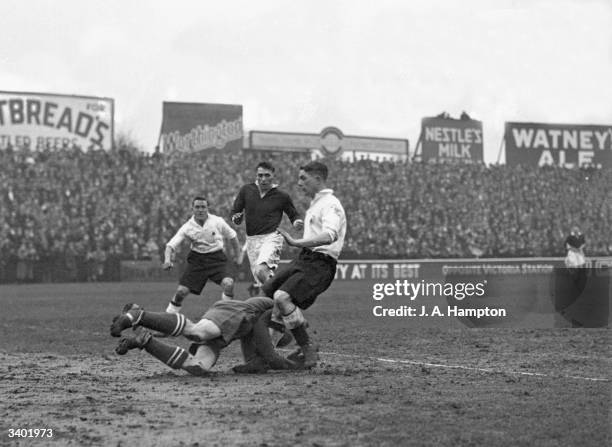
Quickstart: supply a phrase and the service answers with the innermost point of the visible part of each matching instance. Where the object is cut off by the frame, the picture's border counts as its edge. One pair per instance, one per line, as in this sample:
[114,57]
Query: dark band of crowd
[69,215]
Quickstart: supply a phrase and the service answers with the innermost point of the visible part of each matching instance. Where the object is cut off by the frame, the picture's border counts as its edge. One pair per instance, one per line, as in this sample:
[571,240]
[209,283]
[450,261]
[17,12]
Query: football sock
[178,299]
[275,336]
[294,318]
[301,335]
[173,308]
[173,356]
[277,326]
[254,290]
[167,323]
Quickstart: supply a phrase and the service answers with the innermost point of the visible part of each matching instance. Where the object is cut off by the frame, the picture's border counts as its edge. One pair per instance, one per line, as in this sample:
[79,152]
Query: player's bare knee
[203,330]
[283,300]
[190,328]
[262,273]
[201,360]
[182,291]
[227,284]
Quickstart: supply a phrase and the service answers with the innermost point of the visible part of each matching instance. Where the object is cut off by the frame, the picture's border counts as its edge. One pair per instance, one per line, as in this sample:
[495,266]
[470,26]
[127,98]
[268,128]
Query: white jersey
[326,215]
[204,239]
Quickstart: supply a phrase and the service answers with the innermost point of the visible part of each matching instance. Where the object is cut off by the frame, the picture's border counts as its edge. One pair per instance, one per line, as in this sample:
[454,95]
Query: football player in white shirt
[206,260]
[297,286]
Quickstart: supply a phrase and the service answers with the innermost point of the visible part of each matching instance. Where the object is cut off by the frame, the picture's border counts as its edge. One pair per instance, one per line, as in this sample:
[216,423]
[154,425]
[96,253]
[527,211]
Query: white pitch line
[411,362]
[469,368]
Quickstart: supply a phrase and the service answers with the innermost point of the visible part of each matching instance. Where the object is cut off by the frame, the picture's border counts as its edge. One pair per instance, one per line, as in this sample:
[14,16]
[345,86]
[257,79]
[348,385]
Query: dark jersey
[575,240]
[236,318]
[263,215]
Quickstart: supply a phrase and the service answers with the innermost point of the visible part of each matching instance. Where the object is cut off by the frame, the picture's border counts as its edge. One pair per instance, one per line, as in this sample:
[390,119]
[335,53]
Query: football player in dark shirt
[574,244]
[224,322]
[261,205]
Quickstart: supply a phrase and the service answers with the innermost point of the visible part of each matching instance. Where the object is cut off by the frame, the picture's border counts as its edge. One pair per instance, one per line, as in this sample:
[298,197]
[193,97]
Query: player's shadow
[582,295]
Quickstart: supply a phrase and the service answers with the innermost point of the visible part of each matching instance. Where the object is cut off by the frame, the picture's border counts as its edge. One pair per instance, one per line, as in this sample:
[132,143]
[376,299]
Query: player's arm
[231,235]
[171,249]
[168,258]
[332,221]
[292,214]
[238,207]
[236,249]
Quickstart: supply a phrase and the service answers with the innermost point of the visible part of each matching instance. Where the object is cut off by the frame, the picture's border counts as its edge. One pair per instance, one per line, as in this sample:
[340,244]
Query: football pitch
[380,382]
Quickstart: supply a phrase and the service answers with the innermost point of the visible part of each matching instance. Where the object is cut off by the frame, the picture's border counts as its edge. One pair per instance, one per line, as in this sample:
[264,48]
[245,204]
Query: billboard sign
[53,121]
[567,145]
[447,138]
[192,127]
[330,141]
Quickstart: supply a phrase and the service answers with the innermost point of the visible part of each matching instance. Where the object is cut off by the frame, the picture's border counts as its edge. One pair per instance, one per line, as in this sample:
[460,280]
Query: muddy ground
[388,382]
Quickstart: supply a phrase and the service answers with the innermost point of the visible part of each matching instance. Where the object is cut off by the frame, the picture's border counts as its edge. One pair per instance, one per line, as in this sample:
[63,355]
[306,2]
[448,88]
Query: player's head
[265,175]
[312,178]
[575,230]
[265,165]
[199,206]
[316,168]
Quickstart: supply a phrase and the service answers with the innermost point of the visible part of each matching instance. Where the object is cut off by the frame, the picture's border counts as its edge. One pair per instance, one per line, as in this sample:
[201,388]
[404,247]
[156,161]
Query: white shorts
[264,249]
[574,259]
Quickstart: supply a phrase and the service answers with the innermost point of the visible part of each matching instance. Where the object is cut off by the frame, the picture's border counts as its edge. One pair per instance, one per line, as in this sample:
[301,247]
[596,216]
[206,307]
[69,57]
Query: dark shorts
[202,267]
[236,318]
[304,278]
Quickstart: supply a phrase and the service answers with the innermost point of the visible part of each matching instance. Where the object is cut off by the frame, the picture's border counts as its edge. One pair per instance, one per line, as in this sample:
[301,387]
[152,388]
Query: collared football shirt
[263,214]
[203,239]
[326,215]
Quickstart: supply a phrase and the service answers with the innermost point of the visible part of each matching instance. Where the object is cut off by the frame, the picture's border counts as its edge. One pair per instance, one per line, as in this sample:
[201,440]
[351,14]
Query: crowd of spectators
[78,213]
